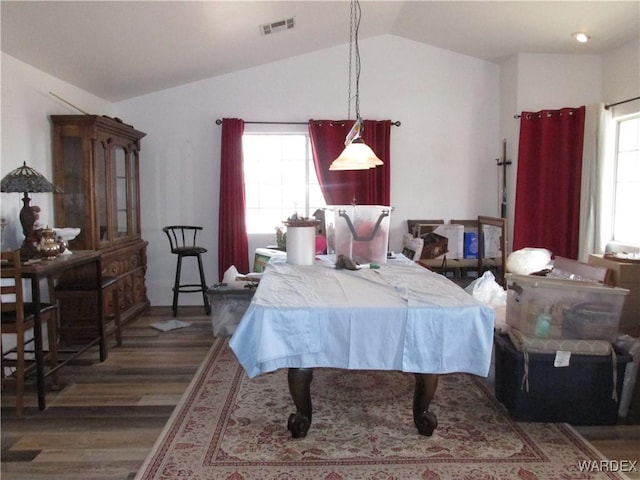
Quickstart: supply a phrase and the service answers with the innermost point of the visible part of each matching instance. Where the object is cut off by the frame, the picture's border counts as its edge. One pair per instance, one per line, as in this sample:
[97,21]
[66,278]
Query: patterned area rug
[230,427]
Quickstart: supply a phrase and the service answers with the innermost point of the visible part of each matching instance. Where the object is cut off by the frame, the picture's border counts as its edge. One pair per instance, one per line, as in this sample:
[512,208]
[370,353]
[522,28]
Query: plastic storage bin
[361,232]
[228,305]
[572,309]
[580,394]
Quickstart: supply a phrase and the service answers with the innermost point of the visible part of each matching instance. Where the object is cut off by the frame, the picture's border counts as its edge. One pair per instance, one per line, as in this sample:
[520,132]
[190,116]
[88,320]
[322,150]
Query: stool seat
[189,251]
[182,239]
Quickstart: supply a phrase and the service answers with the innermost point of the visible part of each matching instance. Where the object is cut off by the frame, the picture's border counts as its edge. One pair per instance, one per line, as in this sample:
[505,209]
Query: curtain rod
[607,107]
[219,122]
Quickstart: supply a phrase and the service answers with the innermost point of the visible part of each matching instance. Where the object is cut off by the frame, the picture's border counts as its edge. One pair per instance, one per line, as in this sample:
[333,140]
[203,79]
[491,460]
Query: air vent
[279,26]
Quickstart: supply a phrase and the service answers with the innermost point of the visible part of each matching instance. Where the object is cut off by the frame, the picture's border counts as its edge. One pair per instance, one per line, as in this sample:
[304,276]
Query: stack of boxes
[624,274]
[558,362]
[441,240]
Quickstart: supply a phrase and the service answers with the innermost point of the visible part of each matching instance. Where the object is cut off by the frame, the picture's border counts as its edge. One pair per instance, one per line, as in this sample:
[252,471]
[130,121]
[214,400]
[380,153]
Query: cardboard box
[435,246]
[454,234]
[624,275]
[492,243]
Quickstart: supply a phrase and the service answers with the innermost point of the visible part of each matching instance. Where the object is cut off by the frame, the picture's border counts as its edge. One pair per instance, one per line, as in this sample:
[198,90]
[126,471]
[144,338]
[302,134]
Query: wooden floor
[106,417]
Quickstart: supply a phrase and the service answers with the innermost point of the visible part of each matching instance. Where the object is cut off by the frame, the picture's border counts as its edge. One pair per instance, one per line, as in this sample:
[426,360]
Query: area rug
[229,427]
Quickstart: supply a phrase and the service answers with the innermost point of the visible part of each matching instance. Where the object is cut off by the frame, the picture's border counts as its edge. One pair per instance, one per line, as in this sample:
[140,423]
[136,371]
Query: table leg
[425,389]
[37,342]
[300,389]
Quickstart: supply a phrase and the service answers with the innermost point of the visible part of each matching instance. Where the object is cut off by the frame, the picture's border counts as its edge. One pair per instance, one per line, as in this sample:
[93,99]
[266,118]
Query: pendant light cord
[357,53]
[354,51]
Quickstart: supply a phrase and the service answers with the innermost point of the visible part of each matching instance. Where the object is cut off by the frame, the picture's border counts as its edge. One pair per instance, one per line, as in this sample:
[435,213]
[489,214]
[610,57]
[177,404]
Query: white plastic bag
[488,291]
[230,277]
[528,260]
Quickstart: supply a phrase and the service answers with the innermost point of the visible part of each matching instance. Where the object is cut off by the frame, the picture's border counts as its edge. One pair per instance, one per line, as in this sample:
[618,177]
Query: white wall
[448,105]
[621,79]
[26,133]
[455,111]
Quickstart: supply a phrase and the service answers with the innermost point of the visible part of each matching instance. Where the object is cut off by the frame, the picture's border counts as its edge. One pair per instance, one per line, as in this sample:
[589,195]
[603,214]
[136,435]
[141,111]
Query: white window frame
[635,237]
[305,209]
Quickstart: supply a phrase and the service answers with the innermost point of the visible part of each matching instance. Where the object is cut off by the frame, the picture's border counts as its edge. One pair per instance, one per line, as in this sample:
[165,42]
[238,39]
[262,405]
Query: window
[626,226]
[279,179]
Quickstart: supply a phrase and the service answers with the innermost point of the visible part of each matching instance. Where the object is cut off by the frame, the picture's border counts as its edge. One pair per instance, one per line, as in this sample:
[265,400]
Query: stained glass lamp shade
[26,179]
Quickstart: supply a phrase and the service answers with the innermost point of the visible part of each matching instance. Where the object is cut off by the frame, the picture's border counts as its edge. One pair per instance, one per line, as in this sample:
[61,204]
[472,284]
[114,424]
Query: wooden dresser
[96,163]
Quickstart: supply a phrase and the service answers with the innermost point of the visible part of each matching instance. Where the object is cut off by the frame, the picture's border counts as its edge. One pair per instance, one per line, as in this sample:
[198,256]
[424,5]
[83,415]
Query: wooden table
[42,270]
[399,317]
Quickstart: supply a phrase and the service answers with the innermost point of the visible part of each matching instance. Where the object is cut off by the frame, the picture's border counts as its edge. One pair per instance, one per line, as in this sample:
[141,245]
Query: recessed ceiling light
[580,37]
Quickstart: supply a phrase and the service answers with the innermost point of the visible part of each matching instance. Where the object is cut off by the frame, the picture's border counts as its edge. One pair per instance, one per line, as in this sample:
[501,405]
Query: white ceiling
[119,49]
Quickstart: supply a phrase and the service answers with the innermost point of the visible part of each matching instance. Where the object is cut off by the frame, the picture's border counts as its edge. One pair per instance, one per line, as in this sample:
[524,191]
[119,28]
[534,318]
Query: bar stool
[182,239]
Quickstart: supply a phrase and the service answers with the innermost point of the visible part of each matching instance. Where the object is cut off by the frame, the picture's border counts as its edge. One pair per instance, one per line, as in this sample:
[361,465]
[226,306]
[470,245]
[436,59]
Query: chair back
[11,293]
[499,262]
[181,236]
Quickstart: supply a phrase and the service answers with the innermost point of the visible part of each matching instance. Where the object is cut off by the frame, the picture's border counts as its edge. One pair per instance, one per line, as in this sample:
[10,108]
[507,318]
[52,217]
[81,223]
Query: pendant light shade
[356,155]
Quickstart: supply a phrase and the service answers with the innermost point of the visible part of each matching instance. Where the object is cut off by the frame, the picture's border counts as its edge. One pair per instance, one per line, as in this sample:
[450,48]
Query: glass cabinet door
[121,192]
[73,209]
[101,185]
[135,195]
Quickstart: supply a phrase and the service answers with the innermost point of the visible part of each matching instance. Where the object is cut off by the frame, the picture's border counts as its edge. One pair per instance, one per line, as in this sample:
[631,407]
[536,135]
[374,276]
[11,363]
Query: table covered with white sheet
[398,317]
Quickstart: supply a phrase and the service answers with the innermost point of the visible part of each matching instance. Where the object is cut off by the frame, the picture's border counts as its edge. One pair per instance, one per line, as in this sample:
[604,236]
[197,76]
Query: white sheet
[399,317]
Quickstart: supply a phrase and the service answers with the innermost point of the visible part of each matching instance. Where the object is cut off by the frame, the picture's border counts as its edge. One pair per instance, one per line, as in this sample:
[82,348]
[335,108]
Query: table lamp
[26,179]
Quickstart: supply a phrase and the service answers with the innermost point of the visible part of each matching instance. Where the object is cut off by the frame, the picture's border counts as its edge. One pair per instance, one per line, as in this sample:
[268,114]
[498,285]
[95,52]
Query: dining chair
[492,247]
[18,319]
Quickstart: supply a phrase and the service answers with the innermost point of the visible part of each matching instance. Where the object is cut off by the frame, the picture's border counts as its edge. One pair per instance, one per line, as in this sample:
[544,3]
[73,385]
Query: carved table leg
[425,389]
[300,389]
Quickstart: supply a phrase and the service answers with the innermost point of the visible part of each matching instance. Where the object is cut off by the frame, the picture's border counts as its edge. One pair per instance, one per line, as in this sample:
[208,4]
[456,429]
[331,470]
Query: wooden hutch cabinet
[96,163]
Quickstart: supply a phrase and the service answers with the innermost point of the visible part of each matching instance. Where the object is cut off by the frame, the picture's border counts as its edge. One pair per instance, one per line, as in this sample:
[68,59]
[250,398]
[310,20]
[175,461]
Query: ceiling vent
[279,26]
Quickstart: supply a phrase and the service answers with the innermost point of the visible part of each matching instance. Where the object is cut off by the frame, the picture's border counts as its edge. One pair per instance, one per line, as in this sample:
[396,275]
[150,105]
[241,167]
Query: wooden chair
[182,239]
[495,263]
[18,319]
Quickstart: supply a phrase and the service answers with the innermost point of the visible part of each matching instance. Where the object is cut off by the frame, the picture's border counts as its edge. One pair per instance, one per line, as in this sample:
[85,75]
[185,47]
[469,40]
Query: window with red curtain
[233,244]
[547,207]
[342,187]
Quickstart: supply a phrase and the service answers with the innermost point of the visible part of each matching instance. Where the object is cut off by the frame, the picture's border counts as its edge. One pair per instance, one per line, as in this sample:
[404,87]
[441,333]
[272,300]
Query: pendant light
[357,155]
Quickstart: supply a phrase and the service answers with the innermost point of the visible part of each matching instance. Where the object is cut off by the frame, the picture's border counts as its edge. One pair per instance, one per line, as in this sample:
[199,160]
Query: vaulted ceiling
[120,49]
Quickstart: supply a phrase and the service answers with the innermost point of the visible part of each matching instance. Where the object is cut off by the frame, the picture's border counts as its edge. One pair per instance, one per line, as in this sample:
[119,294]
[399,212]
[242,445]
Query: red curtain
[233,244]
[547,208]
[341,187]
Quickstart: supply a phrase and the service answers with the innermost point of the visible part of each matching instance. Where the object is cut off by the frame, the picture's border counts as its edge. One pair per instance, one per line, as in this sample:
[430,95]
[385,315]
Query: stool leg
[203,284]
[176,286]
